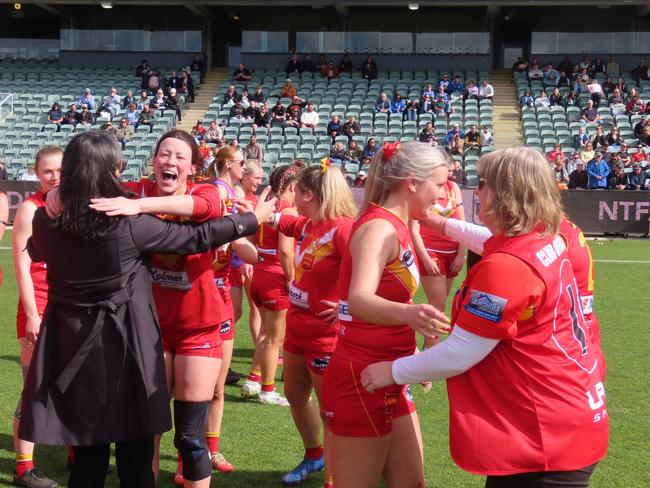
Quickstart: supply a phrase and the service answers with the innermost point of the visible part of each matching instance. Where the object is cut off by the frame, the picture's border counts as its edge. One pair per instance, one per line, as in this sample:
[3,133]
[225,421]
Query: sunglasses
[481,183]
[241,162]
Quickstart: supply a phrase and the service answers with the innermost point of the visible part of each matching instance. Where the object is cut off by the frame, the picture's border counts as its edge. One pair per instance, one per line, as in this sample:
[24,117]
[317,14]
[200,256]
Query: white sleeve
[457,354]
[470,235]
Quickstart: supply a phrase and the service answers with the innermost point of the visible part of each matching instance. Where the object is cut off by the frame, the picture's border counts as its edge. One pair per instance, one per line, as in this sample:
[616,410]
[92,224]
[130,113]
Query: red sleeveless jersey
[267,244]
[365,342]
[447,206]
[183,286]
[38,271]
[537,401]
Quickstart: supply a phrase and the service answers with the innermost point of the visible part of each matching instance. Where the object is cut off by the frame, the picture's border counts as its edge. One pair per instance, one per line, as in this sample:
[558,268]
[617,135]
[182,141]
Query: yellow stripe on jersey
[407,275]
[319,253]
[527,314]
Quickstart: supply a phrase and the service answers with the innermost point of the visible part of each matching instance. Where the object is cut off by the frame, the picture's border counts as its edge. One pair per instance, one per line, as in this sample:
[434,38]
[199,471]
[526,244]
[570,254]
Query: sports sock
[255,375]
[328,482]
[314,453]
[24,462]
[268,388]
[212,439]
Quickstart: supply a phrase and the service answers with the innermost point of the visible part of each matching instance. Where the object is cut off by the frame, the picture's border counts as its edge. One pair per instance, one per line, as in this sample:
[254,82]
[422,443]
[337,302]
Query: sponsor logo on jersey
[298,297]
[485,305]
[177,280]
[408,394]
[550,252]
[407,258]
[320,364]
[225,327]
[587,303]
[344,314]
[220,282]
[308,262]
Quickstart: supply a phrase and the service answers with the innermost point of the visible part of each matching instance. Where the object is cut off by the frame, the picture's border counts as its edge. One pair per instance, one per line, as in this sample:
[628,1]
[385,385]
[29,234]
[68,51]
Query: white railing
[6,105]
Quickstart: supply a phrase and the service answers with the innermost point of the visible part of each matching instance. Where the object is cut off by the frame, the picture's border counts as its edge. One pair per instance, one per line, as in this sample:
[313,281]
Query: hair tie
[389,150]
[324,163]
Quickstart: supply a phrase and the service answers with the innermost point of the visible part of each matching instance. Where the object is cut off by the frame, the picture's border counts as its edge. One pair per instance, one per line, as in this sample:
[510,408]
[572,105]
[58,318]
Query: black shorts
[578,478]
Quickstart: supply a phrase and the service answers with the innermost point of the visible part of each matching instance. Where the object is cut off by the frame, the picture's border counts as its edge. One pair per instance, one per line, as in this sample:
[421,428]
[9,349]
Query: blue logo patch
[320,363]
[487,306]
[225,327]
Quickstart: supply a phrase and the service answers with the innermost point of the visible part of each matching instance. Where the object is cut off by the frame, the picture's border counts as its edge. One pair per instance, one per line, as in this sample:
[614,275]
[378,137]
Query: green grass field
[263,444]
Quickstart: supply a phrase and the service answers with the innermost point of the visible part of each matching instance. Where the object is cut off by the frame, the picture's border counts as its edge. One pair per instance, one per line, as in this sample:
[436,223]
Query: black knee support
[189,423]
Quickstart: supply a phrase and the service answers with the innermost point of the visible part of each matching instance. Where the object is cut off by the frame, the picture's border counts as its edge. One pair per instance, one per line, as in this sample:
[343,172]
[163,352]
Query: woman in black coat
[97,375]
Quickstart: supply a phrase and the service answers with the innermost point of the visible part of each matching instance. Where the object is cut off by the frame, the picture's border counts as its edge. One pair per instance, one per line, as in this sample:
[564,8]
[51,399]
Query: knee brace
[189,438]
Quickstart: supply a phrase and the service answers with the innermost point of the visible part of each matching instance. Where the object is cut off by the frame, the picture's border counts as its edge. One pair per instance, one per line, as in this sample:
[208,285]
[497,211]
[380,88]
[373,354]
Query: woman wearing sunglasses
[524,379]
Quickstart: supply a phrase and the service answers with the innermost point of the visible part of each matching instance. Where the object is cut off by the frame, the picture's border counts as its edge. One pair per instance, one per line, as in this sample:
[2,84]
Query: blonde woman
[587,153]
[375,435]
[524,379]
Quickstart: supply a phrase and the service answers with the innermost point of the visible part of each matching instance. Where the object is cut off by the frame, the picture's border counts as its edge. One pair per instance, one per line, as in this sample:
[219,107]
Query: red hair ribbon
[389,150]
[324,163]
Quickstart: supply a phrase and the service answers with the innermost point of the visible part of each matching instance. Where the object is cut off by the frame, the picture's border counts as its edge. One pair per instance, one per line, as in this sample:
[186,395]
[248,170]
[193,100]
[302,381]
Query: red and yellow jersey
[37,270]
[447,206]
[366,342]
[183,286]
[582,262]
[539,394]
[268,240]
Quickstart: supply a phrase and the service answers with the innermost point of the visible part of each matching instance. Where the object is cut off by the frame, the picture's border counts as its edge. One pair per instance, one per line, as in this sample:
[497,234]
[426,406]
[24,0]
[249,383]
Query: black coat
[97,374]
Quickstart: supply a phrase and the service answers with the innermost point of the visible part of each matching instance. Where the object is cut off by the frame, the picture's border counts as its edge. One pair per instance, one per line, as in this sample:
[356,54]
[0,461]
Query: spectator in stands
[534,73]
[334,127]
[640,73]
[637,179]
[322,62]
[251,110]
[154,82]
[566,65]
[624,156]
[471,91]
[640,126]
[236,111]
[124,132]
[351,128]
[427,105]
[55,116]
[142,68]
[586,153]
[242,73]
[174,103]
[550,75]
[443,82]
[370,150]
[644,139]
[597,68]
[30,175]
[159,102]
[294,112]
[589,114]
[570,162]
[308,64]
[598,139]
[198,66]
[473,140]
[4,175]
[337,154]
[613,70]
[108,127]
[87,98]
[128,99]
[613,138]
[555,153]
[556,98]
[428,90]
[279,113]
[581,82]
[231,96]
[214,133]
[520,65]
[345,66]
[526,100]
[617,179]
[309,118]
[330,71]
[542,100]
[411,109]
[428,135]
[288,89]
[640,155]
[563,80]
[598,172]
[453,133]
[622,86]
[383,104]
[398,105]
[353,154]
[205,153]
[456,86]
[369,69]
[198,131]
[253,149]
[608,86]
[616,102]
[570,99]
[457,175]
[360,180]
[596,91]
[486,91]
[143,100]
[263,117]
[187,84]
[245,98]
[442,105]
[456,146]
[71,117]
[581,139]
[293,66]
[560,173]
[487,138]
[110,104]
[579,178]
[635,105]
[86,116]
[146,118]
[259,96]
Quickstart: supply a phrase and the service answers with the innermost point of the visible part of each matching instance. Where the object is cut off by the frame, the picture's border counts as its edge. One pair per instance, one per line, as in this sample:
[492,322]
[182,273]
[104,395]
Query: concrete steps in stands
[203,97]
[507,122]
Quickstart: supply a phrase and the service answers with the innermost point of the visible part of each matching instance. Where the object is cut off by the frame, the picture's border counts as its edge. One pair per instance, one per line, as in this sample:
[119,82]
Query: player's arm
[290,225]
[286,250]
[372,246]
[460,215]
[4,214]
[428,264]
[245,250]
[22,262]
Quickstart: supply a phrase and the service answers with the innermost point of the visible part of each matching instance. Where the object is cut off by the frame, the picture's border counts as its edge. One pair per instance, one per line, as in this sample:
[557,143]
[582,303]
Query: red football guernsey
[447,206]
[267,244]
[365,342]
[537,401]
[183,286]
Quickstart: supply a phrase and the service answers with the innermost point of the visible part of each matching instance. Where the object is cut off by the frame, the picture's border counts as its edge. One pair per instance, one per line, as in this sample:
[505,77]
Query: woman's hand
[427,320]
[32,329]
[264,210]
[331,313]
[377,375]
[457,264]
[247,271]
[430,266]
[116,206]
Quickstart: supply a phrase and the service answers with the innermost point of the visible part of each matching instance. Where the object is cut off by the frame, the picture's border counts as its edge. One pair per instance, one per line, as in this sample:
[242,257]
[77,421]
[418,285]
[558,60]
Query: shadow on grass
[10,359]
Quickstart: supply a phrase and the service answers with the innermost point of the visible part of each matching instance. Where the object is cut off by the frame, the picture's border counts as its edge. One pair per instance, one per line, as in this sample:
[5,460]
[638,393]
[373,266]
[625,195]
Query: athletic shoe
[33,479]
[250,389]
[272,398]
[300,472]
[178,477]
[220,464]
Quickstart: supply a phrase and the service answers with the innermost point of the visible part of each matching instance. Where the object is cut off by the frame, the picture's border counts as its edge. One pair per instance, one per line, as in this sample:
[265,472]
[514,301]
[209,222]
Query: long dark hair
[89,170]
